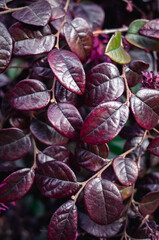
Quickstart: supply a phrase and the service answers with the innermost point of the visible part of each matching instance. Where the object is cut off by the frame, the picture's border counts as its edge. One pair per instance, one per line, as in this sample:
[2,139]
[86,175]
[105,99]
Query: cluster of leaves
[61,109]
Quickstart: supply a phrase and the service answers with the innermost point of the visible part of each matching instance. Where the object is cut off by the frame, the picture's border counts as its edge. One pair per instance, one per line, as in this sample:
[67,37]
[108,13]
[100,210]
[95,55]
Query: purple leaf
[16,185]
[92,157]
[145,104]
[79,38]
[150,29]
[97,230]
[55,179]
[4,80]
[153,147]
[92,13]
[149,203]
[66,119]
[103,201]
[149,183]
[31,42]
[126,170]
[29,94]
[104,122]
[103,84]
[14,144]
[6,46]
[58,153]
[64,95]
[41,70]
[37,14]
[68,70]
[45,133]
[4,1]
[63,223]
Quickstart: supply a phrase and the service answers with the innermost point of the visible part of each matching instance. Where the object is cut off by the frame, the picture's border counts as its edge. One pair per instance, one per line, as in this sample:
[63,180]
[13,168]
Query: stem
[36,151]
[53,91]
[83,184]
[156,130]
[64,20]
[9,10]
[128,92]
[108,31]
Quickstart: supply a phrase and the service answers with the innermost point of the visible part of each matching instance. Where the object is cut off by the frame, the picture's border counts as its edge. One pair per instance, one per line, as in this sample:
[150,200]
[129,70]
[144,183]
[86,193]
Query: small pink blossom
[150,80]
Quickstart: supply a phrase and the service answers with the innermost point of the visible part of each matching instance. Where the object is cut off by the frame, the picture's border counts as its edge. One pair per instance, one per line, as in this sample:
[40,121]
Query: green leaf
[15,72]
[115,50]
[137,40]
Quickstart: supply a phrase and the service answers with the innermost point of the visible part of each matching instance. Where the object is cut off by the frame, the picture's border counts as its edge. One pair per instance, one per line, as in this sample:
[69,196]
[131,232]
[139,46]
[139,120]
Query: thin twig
[108,31]
[9,10]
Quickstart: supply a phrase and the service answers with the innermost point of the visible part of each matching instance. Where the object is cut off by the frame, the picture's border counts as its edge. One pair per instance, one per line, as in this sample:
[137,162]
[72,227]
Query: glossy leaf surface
[149,203]
[68,70]
[150,29]
[31,42]
[45,133]
[134,38]
[97,230]
[115,50]
[126,170]
[66,119]
[154,146]
[29,94]
[103,201]
[103,84]
[6,46]
[54,152]
[63,223]
[37,14]
[92,157]
[145,104]
[79,38]
[104,122]
[64,95]
[16,185]
[55,179]
[92,13]
[14,144]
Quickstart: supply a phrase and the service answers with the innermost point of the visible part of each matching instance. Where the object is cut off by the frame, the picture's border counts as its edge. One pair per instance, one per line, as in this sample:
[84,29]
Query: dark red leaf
[55,179]
[97,230]
[92,13]
[56,10]
[45,133]
[29,94]
[63,223]
[149,203]
[68,70]
[103,84]
[103,201]
[153,147]
[79,38]
[37,14]
[31,42]
[133,142]
[92,157]
[104,122]
[14,144]
[16,185]
[149,183]
[6,46]
[64,95]
[41,70]
[145,108]
[126,170]
[150,29]
[66,119]
[54,152]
